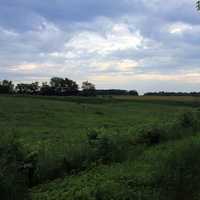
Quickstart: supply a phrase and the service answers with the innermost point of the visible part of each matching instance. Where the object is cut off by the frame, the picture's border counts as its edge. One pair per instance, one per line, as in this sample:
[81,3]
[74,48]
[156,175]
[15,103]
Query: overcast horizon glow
[127,44]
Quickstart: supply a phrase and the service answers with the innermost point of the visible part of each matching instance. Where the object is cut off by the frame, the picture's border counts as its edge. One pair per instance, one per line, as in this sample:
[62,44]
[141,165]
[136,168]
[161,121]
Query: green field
[100,148]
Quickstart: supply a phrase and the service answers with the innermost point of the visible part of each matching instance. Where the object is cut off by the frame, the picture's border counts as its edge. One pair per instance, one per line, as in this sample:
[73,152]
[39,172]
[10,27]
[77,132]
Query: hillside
[96,148]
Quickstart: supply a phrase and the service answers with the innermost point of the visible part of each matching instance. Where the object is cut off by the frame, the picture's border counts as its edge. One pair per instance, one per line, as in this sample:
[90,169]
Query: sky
[148,45]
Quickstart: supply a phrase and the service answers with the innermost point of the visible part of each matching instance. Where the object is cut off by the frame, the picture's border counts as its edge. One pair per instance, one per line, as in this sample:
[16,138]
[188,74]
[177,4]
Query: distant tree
[117,92]
[198,5]
[133,93]
[25,88]
[57,83]
[6,87]
[162,93]
[34,88]
[88,89]
[21,88]
[71,87]
[111,92]
[46,89]
[62,86]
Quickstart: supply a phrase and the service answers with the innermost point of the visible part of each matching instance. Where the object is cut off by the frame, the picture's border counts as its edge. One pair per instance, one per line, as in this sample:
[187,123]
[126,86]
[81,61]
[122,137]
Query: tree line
[162,93]
[59,87]
[66,87]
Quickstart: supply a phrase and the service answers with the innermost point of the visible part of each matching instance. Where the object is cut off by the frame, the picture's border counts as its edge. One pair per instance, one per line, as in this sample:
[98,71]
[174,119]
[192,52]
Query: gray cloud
[145,42]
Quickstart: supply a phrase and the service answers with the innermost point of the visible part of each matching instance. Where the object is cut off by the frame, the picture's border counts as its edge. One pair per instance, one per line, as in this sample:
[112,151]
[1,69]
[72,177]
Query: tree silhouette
[198,5]
[62,86]
[88,88]
[6,86]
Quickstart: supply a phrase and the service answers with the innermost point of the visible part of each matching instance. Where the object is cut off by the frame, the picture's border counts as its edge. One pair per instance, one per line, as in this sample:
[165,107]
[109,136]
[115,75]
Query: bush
[13,176]
[189,120]
[108,148]
[77,158]
[101,146]
[166,172]
[187,124]
[49,164]
[149,135]
[178,173]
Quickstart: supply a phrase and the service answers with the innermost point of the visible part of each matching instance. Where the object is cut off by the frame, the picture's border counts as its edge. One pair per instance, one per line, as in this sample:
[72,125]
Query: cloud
[151,44]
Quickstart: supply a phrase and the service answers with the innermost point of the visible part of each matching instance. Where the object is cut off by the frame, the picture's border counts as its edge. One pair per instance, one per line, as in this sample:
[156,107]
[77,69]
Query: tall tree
[198,5]
[62,86]
[25,88]
[46,89]
[71,87]
[6,87]
[88,89]
[34,88]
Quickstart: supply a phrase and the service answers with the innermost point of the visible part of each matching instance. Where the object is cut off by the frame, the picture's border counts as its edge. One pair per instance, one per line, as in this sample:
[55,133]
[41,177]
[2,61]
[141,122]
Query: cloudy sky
[146,45]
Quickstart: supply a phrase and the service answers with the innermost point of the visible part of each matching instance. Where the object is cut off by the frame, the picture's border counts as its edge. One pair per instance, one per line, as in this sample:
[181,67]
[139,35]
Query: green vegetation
[58,86]
[91,148]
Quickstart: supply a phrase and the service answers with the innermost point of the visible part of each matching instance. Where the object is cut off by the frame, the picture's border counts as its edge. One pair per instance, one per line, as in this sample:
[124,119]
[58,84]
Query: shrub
[153,134]
[13,177]
[99,113]
[189,120]
[107,148]
[101,145]
[93,136]
[149,135]
[77,158]
[166,172]
[46,164]
[179,173]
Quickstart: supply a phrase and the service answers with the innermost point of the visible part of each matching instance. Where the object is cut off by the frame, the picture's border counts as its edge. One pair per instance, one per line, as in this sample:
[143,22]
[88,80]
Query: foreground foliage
[13,176]
[54,149]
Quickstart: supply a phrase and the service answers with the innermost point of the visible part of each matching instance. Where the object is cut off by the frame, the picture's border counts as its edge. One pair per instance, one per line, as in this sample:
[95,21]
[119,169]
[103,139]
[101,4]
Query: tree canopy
[59,87]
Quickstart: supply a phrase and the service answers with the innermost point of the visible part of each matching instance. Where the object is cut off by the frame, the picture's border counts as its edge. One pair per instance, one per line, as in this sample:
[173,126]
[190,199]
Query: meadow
[99,148]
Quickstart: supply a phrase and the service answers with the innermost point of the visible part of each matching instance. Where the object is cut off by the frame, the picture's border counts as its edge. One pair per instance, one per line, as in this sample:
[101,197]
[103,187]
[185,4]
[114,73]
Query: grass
[48,120]
[170,171]
[162,98]
[106,148]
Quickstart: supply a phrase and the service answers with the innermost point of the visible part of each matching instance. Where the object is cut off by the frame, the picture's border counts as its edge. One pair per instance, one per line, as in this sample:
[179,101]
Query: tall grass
[13,175]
